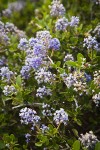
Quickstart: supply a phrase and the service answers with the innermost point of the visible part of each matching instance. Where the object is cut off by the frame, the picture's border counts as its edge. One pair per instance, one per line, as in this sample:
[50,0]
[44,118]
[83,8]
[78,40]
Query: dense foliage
[49,75]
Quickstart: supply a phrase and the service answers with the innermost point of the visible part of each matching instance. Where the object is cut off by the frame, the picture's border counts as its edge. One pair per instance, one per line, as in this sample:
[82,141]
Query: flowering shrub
[50,77]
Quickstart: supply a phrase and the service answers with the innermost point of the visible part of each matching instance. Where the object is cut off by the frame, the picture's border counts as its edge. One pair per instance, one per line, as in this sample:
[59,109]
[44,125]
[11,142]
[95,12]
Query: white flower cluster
[43,91]
[97,78]
[69,57]
[60,116]
[88,140]
[80,85]
[42,75]
[77,80]
[69,80]
[96,99]
[9,90]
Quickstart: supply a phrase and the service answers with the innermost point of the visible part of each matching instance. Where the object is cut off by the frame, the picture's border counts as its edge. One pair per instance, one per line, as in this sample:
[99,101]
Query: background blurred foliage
[87,10]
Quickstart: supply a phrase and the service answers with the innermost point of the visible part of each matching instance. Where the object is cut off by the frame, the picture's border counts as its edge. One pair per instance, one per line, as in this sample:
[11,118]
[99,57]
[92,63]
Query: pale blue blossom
[5,73]
[54,44]
[56,8]
[90,43]
[43,91]
[42,75]
[74,21]
[28,116]
[61,24]
[23,44]
[60,116]
[9,90]
[25,71]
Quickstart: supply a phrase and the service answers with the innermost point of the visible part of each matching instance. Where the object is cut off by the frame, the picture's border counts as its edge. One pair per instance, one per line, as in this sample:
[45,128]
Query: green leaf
[61,70]
[78,121]
[71,63]
[39,144]
[54,66]
[2,145]
[50,127]
[15,148]
[75,132]
[12,137]
[18,80]
[76,145]
[80,28]
[97,147]
[80,58]
[58,63]
[79,55]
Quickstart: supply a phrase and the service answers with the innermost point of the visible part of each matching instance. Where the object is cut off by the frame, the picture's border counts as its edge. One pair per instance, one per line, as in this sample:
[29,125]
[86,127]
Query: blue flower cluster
[33,62]
[54,44]
[36,50]
[44,128]
[29,116]
[5,73]
[33,41]
[61,24]
[44,38]
[9,29]
[23,45]
[3,61]
[74,21]
[15,6]
[90,43]
[88,77]
[27,136]
[25,72]
[39,50]
[60,116]
[56,8]
[42,91]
